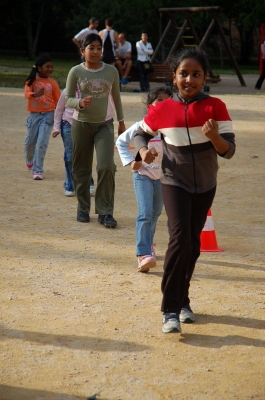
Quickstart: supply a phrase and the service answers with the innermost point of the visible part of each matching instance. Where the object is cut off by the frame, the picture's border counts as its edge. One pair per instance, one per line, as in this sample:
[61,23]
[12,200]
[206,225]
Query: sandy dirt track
[78,321]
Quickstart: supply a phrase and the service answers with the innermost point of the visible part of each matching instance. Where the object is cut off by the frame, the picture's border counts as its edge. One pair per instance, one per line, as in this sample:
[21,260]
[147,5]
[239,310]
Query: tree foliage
[40,25]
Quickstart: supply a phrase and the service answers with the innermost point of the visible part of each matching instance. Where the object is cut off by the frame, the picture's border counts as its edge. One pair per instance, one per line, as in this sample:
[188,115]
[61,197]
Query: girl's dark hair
[41,60]
[153,93]
[196,53]
[88,39]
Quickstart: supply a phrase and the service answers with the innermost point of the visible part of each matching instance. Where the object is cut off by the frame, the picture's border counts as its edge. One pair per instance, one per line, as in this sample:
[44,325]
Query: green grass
[16,79]
[244,69]
[61,68]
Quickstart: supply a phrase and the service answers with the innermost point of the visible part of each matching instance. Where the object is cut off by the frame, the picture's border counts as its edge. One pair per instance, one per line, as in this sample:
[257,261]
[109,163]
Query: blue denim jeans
[68,155]
[39,127]
[150,203]
[144,79]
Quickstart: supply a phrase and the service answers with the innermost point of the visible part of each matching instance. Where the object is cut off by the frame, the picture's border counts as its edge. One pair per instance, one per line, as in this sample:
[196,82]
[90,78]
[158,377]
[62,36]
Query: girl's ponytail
[42,59]
[32,76]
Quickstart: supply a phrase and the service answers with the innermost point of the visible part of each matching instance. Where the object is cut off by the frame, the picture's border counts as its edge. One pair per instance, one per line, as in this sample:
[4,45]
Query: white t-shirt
[124,48]
[84,32]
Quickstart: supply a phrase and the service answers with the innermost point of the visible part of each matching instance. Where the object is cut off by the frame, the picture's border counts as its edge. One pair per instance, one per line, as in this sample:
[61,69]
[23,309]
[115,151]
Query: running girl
[43,94]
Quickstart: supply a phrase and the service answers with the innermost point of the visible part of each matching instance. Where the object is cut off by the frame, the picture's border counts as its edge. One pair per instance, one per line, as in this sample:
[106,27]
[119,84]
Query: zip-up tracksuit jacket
[190,159]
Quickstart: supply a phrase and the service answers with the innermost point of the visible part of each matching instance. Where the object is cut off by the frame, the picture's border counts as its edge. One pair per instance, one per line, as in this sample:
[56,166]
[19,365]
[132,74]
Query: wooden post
[178,38]
[161,41]
[240,77]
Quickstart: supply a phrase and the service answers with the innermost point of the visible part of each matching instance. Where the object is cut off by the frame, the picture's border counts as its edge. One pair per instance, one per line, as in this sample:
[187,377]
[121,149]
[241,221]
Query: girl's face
[160,97]
[45,70]
[92,52]
[189,77]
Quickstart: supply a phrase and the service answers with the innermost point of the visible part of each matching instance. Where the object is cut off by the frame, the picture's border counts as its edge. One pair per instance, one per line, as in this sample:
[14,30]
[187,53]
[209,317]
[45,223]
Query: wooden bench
[163,74]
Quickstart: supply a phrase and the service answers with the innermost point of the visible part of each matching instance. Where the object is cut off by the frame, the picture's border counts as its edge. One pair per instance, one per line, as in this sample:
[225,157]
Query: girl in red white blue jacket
[195,129]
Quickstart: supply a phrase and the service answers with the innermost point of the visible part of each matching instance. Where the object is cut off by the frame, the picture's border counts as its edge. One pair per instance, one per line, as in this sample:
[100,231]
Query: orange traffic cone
[208,237]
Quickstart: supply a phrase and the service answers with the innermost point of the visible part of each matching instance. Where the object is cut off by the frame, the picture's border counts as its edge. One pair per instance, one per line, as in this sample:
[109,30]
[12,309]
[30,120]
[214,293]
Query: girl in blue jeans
[42,94]
[147,186]
[63,118]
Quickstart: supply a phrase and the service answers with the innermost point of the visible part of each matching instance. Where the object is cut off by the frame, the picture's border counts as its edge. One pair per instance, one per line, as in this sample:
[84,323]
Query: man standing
[109,42]
[123,55]
[93,24]
[144,51]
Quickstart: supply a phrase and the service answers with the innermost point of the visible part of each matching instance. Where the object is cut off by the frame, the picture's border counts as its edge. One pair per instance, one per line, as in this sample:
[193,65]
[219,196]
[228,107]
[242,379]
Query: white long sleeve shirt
[144,51]
[62,112]
[153,171]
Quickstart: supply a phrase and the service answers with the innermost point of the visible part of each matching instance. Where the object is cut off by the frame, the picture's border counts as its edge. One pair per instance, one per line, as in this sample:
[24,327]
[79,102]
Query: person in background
[97,84]
[144,51]
[110,42]
[93,24]
[42,93]
[262,76]
[63,118]
[147,185]
[123,56]
[196,128]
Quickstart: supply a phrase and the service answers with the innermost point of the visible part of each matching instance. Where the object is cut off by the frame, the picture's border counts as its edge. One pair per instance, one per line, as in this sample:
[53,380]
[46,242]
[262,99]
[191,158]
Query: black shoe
[82,217]
[107,220]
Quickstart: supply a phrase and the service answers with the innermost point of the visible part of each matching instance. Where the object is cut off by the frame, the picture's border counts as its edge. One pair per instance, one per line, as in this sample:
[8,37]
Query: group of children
[177,144]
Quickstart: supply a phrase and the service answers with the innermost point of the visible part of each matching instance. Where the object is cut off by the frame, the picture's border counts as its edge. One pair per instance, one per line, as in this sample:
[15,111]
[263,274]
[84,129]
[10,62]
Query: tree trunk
[32,38]
[246,44]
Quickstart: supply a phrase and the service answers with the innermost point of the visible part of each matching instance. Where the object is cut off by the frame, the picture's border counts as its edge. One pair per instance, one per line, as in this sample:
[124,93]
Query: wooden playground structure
[174,36]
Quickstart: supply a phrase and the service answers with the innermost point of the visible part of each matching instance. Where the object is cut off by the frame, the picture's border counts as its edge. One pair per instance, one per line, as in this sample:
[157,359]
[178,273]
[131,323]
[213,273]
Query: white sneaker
[69,194]
[186,315]
[37,177]
[170,323]
[92,191]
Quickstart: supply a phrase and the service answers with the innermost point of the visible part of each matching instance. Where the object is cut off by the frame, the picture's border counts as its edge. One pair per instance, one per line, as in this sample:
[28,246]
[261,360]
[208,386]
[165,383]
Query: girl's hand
[135,165]
[54,134]
[148,155]
[210,129]
[85,102]
[39,93]
[121,128]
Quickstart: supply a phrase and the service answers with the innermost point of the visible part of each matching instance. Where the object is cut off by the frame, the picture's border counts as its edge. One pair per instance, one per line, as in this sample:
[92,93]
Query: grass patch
[16,79]
[244,69]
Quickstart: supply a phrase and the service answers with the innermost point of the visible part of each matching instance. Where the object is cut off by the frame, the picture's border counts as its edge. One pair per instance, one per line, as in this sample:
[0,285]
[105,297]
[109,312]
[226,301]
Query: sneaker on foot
[153,253]
[146,262]
[68,193]
[82,217]
[107,220]
[37,177]
[29,166]
[124,81]
[170,323]
[186,315]
[92,190]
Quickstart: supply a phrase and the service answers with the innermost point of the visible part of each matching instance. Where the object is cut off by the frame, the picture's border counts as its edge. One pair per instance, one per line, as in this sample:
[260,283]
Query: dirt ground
[78,321]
